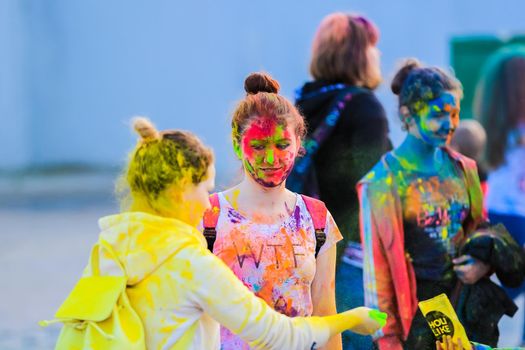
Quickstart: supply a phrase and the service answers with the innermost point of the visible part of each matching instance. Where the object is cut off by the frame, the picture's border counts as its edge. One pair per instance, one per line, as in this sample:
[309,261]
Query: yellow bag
[442,319]
[97,313]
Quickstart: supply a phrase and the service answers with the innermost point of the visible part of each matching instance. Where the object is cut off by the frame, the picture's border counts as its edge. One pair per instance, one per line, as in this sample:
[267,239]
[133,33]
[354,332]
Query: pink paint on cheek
[285,158]
[260,129]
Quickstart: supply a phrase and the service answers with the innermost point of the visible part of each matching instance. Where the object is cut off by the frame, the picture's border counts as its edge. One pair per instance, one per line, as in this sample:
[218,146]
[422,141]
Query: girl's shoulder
[380,172]
[466,162]
[224,199]
[314,207]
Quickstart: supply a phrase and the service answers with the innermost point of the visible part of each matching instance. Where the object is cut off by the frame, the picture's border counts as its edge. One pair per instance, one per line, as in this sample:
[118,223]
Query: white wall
[73,72]
[14,117]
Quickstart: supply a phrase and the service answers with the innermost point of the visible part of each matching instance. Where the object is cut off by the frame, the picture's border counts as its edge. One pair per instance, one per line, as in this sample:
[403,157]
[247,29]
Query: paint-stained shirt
[434,209]
[275,261]
[388,273]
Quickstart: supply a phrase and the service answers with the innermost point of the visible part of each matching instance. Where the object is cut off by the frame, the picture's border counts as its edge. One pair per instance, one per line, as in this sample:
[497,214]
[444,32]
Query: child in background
[470,139]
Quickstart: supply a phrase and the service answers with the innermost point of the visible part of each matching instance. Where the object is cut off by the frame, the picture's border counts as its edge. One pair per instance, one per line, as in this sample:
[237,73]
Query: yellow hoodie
[180,290]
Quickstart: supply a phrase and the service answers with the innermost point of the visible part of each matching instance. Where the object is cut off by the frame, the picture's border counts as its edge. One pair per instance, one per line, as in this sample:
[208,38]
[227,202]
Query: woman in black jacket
[345,67]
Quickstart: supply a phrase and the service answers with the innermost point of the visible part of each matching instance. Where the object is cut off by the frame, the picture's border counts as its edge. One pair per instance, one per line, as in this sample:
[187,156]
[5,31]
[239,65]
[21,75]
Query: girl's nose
[269,156]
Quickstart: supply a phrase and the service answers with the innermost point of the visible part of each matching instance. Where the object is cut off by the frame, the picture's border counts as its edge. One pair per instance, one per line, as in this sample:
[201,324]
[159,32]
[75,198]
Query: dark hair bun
[260,82]
[408,66]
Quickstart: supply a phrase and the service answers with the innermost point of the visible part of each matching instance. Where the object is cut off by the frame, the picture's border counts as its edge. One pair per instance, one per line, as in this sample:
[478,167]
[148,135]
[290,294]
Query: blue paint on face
[437,120]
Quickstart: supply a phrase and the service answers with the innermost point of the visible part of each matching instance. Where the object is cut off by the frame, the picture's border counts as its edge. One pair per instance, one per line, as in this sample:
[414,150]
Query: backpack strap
[95,260]
[315,207]
[210,219]
[318,212]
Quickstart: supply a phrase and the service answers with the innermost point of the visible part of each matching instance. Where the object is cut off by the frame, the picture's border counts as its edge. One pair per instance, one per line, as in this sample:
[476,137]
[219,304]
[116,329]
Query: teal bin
[468,54]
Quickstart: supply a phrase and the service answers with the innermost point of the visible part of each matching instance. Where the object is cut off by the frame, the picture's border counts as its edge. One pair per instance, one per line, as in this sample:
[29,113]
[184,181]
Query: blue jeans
[349,294]
[516,227]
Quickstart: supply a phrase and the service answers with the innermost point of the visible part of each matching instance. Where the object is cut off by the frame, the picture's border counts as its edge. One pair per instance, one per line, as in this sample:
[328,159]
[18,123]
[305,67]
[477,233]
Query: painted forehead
[263,128]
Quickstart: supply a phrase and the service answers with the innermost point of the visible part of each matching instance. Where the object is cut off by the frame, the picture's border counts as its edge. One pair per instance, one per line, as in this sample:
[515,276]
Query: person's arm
[323,285]
[378,285]
[506,257]
[323,291]
[469,269]
[221,295]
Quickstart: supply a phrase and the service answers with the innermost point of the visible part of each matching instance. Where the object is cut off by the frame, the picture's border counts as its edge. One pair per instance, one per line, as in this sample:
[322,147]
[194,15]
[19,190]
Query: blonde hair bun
[145,128]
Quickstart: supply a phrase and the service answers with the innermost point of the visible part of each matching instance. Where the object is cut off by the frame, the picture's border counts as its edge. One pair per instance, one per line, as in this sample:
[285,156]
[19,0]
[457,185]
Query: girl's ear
[406,117]
[237,148]
[404,111]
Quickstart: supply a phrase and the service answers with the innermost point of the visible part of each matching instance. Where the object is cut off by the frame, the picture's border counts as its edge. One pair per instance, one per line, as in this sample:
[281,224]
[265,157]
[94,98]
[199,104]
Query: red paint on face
[269,150]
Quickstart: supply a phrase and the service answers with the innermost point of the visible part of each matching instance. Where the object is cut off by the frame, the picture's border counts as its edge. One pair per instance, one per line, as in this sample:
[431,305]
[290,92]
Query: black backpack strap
[320,239]
[209,221]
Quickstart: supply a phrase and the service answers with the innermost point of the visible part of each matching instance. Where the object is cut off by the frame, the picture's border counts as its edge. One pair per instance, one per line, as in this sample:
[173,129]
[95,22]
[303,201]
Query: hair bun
[145,128]
[408,66]
[260,82]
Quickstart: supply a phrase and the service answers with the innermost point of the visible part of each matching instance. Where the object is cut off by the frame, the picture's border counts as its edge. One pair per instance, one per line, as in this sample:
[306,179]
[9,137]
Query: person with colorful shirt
[265,233]
[417,205]
[178,288]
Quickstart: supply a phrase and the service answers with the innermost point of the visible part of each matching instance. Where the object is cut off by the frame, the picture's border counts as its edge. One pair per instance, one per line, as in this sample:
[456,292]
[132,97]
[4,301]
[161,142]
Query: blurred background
[72,73]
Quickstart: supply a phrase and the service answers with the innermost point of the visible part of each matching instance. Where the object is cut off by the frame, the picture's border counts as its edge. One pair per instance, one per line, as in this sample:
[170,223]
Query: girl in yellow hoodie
[180,290]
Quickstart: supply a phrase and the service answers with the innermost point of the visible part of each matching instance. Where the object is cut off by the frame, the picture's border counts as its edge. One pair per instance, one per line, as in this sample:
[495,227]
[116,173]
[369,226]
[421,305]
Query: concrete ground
[45,245]
[42,254]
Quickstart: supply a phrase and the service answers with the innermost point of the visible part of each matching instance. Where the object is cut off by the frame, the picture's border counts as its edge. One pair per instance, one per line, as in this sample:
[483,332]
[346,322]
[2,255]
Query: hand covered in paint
[366,321]
[448,344]
[469,269]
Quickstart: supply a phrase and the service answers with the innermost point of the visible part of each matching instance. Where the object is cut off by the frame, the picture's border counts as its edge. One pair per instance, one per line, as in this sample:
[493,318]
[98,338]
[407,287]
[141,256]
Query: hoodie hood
[313,99]
[142,242]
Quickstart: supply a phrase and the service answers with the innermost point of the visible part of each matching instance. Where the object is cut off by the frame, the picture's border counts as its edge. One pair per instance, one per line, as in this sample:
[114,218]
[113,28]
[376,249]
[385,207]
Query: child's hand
[469,269]
[367,321]
[448,344]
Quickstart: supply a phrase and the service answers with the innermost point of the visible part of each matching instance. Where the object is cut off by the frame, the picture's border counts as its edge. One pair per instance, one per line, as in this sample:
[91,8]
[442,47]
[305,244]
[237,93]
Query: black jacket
[481,305]
[359,139]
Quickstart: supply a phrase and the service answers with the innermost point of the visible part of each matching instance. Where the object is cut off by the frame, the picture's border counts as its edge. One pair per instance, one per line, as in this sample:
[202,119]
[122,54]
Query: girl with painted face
[417,205]
[264,232]
[178,288]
